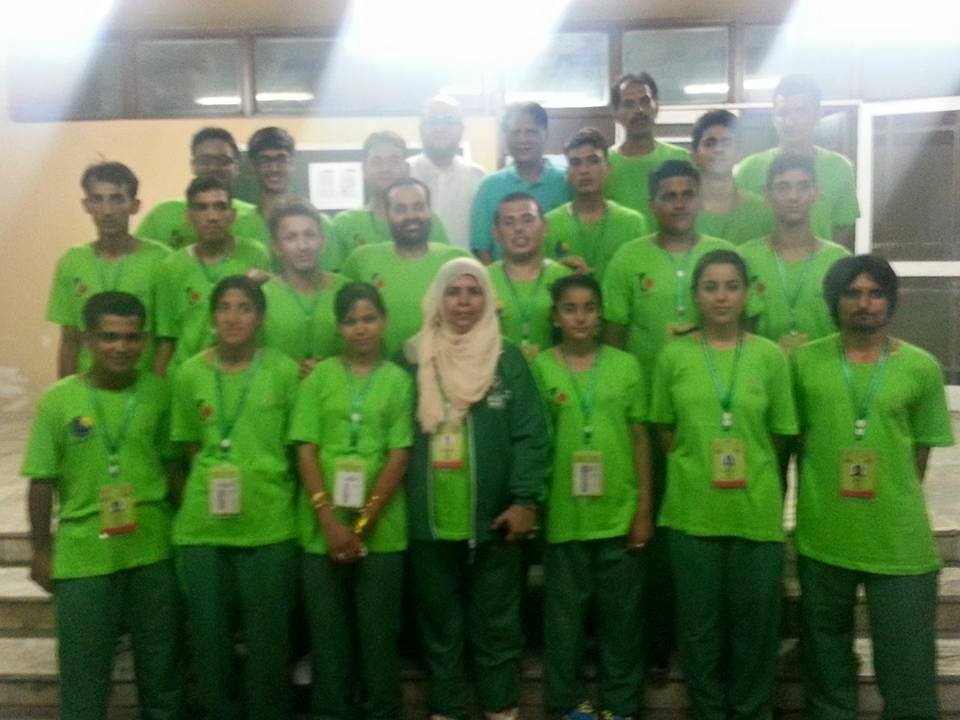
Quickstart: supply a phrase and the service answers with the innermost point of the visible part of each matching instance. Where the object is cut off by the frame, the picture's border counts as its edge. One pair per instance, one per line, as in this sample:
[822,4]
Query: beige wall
[41,216]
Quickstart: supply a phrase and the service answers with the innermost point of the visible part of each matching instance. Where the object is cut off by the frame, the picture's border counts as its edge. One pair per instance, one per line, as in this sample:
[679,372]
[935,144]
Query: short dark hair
[784,162]
[518,195]
[205,184]
[352,293]
[383,137]
[214,133]
[293,207]
[719,257]
[405,182]
[568,282]
[642,78]
[670,169]
[587,136]
[250,288]
[112,302]
[845,270]
[710,119]
[803,85]
[534,110]
[270,138]
[115,173]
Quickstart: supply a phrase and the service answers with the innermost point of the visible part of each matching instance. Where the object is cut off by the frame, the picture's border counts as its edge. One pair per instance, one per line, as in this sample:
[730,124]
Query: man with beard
[452,180]
[402,270]
[635,107]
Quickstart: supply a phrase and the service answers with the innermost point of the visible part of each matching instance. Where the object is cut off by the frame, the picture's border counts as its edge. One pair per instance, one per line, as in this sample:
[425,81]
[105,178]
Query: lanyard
[724,395]
[793,297]
[679,273]
[524,308]
[308,310]
[357,399]
[598,247]
[226,421]
[861,409]
[587,400]
[113,444]
[120,266]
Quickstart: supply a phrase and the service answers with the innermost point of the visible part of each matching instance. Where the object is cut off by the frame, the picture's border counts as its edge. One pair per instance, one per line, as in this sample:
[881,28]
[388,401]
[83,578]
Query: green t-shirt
[258,446]
[259,230]
[80,274]
[837,206]
[325,404]
[183,294]
[302,326]
[168,225]
[803,291]
[356,228]
[402,282]
[526,303]
[454,492]
[642,290]
[594,242]
[753,218]
[617,397]
[67,445]
[890,533]
[684,396]
[628,181]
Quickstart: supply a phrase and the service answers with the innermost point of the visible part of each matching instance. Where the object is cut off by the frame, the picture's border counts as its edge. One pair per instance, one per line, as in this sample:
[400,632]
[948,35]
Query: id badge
[791,341]
[676,329]
[446,447]
[530,350]
[118,509]
[349,483]
[587,474]
[858,477]
[729,463]
[223,486]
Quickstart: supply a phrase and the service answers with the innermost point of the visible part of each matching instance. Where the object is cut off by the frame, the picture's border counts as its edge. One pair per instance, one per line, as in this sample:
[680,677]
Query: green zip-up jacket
[509,450]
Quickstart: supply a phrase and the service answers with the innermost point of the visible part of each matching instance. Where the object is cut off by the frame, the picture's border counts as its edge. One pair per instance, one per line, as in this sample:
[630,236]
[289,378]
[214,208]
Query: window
[689,64]
[177,78]
[572,71]
[288,72]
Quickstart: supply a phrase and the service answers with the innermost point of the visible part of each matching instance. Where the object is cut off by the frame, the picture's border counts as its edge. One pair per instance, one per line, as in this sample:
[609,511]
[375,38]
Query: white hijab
[455,370]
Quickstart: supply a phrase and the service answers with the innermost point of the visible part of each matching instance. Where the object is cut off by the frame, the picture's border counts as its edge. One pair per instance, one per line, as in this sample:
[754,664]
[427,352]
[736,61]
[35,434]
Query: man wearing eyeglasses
[214,154]
[452,180]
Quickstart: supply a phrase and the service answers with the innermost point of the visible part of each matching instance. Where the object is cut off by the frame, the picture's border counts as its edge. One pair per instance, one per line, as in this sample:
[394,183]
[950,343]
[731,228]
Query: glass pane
[572,71]
[68,86]
[288,72]
[915,72]
[188,77]
[771,52]
[690,65]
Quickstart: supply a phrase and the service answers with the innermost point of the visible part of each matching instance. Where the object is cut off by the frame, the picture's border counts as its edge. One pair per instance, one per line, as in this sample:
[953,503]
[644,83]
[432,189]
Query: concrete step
[28,683]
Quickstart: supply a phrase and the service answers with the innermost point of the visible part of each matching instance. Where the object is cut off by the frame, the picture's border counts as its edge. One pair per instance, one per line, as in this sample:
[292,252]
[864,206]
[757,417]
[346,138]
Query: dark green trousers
[463,594]
[659,604]
[903,611]
[260,583]
[92,612]
[601,574]
[729,601]
[355,614]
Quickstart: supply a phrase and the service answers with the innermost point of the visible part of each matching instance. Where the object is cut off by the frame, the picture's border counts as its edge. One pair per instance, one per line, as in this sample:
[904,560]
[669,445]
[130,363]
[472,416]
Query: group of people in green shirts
[316,430]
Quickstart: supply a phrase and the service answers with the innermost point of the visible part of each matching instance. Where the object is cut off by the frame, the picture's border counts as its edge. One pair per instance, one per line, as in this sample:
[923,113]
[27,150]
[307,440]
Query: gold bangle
[361,523]
[319,500]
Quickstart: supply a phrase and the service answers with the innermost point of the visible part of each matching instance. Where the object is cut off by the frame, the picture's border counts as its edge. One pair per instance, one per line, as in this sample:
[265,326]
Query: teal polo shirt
[550,190]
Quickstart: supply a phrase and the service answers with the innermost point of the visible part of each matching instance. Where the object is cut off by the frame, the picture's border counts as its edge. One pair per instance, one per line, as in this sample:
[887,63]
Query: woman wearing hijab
[477,477]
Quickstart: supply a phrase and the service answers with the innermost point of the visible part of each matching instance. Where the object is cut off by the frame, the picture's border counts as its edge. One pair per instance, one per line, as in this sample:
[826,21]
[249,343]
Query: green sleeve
[350,267]
[528,430]
[166,448]
[166,303]
[635,388]
[438,233]
[337,250]
[796,385]
[616,290]
[846,208]
[540,381]
[747,174]
[150,227]
[755,304]
[930,421]
[638,226]
[59,308]
[781,411]
[184,422]
[661,404]
[481,220]
[291,387]
[400,432]
[305,420]
[44,448]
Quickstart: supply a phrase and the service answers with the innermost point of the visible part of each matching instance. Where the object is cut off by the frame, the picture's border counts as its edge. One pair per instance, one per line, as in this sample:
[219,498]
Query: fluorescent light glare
[218,100]
[284,97]
[706,89]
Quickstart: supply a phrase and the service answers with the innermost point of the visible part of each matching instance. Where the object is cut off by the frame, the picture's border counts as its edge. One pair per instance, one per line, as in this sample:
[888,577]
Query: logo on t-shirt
[559,397]
[760,287]
[81,287]
[81,427]
[377,281]
[646,283]
[193,296]
[205,409]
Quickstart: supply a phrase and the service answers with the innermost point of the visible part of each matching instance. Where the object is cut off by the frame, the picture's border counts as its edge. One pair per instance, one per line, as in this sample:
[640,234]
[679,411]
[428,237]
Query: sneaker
[607,715]
[583,711]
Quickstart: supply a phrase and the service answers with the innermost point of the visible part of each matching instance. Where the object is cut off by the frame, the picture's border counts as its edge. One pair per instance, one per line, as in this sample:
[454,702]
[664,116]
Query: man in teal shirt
[796,114]
[635,108]
[524,127]
[214,154]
